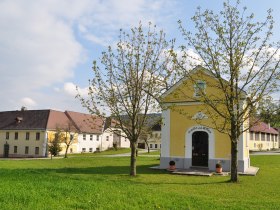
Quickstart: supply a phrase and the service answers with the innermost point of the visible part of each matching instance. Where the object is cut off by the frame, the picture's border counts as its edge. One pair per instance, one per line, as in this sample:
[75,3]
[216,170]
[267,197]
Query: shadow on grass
[143,169]
[118,171]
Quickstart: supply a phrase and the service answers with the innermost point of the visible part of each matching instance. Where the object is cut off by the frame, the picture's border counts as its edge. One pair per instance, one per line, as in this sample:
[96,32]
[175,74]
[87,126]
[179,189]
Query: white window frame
[198,89]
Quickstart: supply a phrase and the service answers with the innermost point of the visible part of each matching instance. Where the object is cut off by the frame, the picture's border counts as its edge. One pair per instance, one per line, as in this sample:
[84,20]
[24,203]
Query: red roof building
[263,137]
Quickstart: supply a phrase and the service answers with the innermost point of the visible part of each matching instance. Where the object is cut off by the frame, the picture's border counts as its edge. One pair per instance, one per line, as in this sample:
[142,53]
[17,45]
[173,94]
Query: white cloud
[37,49]
[72,89]
[43,42]
[28,102]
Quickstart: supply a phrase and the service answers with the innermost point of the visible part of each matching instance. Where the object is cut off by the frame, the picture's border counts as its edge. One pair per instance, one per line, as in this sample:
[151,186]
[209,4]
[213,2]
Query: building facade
[152,138]
[263,137]
[28,133]
[189,136]
[23,134]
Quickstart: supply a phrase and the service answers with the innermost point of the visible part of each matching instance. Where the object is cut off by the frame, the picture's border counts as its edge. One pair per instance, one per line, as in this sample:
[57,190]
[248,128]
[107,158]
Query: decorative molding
[199,116]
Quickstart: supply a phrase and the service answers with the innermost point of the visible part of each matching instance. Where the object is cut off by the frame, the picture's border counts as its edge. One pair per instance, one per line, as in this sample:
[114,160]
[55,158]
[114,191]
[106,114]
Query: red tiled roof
[51,120]
[86,123]
[263,128]
[57,119]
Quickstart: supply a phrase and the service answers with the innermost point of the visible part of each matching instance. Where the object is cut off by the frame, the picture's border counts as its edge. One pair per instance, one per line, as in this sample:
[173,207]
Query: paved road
[276,152]
[128,154]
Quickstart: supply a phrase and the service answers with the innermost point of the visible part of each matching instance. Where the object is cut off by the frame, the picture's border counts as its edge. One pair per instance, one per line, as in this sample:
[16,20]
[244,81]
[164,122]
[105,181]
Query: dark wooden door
[200,149]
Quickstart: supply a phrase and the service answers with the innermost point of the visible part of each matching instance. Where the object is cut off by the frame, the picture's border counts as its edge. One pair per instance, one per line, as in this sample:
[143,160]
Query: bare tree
[69,137]
[239,53]
[129,79]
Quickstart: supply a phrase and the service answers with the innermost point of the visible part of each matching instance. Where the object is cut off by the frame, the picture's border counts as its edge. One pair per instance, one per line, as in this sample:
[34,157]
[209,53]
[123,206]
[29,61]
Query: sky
[47,46]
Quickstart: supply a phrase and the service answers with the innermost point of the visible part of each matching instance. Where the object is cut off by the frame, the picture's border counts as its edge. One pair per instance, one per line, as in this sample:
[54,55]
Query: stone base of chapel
[186,163]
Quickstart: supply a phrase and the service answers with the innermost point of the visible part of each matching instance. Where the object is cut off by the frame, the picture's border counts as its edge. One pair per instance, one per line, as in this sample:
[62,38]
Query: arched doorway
[200,149]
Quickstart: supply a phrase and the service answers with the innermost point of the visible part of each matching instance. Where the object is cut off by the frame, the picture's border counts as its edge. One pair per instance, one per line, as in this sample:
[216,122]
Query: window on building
[84,137]
[7,135]
[97,138]
[254,145]
[257,136]
[107,138]
[268,137]
[26,151]
[90,150]
[155,146]
[151,146]
[90,137]
[83,149]
[263,136]
[199,88]
[16,135]
[38,136]
[27,136]
[251,135]
[36,150]
[71,150]
[15,149]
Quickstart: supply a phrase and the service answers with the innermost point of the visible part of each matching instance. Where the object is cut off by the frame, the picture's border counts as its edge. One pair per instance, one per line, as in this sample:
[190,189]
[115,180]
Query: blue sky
[47,46]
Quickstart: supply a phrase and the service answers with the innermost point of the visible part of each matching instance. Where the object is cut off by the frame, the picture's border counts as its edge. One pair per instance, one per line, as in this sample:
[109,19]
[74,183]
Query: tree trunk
[234,140]
[234,161]
[147,146]
[66,151]
[133,159]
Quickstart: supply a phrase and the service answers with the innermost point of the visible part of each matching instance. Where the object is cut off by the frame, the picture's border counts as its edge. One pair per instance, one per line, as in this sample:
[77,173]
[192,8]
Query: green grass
[104,183]
[152,152]
[110,151]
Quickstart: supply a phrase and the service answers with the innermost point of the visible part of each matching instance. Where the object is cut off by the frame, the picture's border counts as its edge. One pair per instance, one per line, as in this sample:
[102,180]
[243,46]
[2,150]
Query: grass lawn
[102,183]
[106,152]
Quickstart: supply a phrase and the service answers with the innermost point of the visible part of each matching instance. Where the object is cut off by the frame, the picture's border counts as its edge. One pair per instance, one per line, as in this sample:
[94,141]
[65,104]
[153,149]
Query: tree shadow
[119,171]
[107,170]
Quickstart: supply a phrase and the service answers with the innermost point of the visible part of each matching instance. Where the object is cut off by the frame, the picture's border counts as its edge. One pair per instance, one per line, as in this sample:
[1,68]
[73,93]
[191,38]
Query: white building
[96,133]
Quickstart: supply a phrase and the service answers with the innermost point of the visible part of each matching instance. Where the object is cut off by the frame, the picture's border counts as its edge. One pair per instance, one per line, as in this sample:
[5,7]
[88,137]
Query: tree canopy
[239,53]
[131,76]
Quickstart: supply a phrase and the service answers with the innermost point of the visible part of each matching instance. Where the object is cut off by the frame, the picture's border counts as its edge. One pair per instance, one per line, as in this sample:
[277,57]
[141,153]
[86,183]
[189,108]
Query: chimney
[18,120]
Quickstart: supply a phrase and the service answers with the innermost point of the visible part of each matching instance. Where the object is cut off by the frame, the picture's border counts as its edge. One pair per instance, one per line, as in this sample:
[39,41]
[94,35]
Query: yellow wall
[180,123]
[73,146]
[21,142]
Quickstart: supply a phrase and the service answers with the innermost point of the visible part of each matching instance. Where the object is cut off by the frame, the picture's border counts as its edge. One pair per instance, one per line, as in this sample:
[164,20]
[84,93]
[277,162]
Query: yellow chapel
[189,130]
